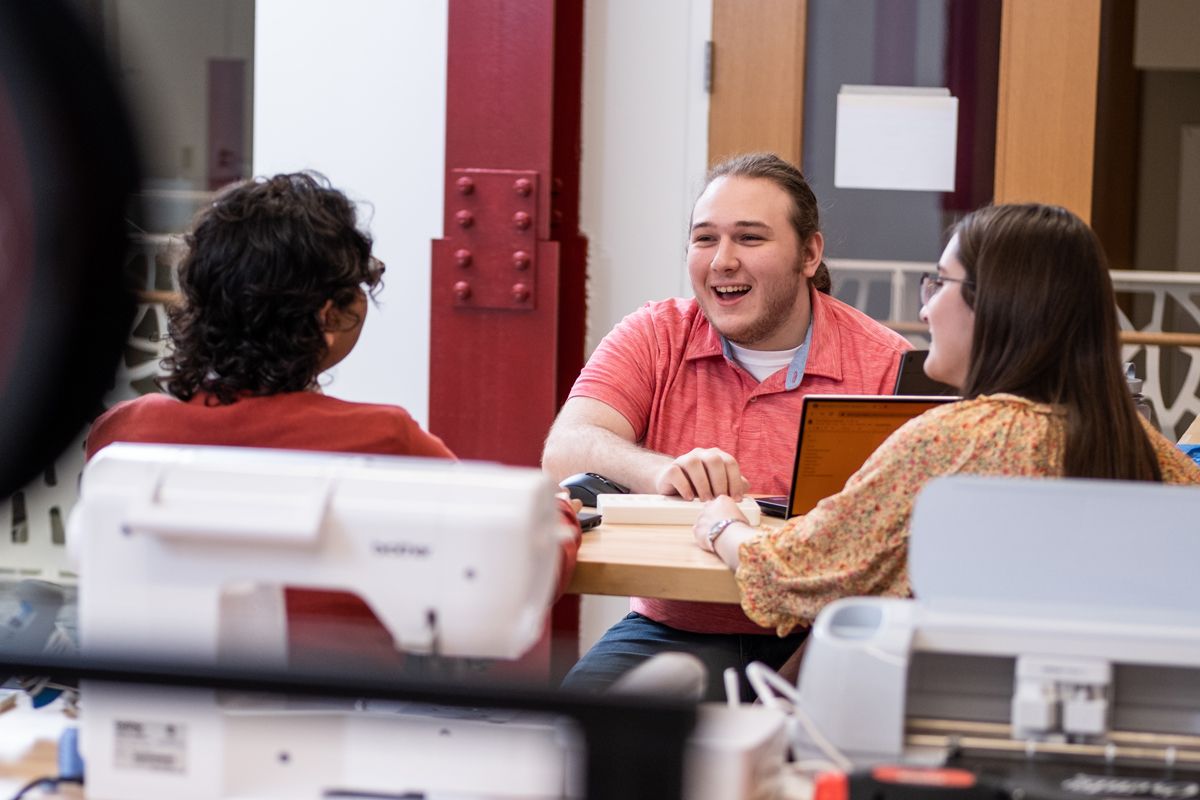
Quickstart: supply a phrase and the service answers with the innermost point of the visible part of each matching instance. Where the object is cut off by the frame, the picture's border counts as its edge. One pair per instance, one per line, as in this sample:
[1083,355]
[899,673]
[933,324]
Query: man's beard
[776,312]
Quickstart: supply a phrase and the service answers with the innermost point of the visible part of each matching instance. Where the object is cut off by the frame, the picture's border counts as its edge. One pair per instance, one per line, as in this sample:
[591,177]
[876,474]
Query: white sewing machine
[1053,620]
[182,553]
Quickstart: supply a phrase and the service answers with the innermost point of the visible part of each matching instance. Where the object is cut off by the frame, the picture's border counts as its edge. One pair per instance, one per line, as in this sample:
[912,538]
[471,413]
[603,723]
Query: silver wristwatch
[717,529]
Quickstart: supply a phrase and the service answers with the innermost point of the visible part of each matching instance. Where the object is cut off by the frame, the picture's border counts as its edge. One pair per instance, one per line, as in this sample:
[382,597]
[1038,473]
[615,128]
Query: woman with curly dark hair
[275,270]
[275,289]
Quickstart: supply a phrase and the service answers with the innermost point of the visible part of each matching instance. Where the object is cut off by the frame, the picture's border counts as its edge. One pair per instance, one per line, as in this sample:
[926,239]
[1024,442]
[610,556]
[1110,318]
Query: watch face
[717,529]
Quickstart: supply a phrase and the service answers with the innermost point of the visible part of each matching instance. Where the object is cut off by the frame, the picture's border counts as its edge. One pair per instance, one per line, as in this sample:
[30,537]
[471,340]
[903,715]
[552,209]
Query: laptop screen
[837,435]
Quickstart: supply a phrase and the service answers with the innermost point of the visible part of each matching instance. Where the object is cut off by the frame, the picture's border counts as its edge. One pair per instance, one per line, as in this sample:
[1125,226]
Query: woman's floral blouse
[856,542]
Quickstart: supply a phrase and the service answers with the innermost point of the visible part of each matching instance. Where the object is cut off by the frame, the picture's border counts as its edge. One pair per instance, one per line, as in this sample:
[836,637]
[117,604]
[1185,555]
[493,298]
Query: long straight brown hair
[1046,329]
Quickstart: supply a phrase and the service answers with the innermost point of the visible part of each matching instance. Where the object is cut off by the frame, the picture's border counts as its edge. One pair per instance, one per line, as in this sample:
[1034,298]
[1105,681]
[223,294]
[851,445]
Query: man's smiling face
[748,268]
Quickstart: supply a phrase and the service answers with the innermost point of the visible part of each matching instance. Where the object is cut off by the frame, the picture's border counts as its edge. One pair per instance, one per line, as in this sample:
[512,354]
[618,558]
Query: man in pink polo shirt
[701,397]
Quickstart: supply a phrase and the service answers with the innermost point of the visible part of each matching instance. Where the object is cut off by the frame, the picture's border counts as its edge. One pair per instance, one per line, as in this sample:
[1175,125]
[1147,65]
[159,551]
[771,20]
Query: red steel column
[507,317]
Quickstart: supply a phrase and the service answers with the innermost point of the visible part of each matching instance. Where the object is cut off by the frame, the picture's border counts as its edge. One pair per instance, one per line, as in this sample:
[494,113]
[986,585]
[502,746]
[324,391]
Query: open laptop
[837,434]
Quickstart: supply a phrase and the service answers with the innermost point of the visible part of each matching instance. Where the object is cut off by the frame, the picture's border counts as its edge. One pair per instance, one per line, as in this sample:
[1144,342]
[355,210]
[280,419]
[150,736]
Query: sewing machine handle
[291,517]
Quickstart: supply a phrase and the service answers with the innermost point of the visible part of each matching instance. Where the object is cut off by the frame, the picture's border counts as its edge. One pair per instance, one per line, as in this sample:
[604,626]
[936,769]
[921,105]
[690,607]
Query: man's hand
[703,473]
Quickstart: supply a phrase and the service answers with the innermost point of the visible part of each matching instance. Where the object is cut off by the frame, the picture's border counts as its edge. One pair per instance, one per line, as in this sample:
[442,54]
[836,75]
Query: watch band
[717,529]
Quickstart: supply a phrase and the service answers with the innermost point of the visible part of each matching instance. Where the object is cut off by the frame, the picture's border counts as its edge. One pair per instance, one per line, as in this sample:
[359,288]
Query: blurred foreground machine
[1054,647]
[183,553]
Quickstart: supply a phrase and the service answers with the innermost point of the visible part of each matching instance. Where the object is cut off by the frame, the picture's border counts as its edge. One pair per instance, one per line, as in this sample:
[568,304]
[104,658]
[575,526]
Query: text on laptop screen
[837,436]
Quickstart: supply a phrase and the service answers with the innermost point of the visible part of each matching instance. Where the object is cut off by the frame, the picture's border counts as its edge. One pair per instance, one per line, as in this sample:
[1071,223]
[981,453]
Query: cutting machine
[1056,622]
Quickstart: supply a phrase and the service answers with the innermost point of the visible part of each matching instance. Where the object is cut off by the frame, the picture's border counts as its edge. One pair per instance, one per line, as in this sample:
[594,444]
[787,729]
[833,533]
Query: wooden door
[757,101]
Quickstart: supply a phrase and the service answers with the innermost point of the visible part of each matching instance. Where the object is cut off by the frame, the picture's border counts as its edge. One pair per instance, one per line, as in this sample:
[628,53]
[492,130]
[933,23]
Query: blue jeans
[636,638]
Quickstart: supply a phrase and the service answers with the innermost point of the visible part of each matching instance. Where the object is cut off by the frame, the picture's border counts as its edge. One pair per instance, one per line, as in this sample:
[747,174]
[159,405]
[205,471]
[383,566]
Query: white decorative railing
[858,281]
[1164,354]
[153,268]
[1168,361]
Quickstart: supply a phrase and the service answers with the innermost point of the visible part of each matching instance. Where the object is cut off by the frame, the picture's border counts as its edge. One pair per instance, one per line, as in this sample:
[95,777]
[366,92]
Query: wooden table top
[651,561]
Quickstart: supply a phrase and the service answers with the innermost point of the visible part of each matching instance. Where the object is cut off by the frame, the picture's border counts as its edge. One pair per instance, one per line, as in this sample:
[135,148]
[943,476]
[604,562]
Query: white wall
[645,143]
[356,90]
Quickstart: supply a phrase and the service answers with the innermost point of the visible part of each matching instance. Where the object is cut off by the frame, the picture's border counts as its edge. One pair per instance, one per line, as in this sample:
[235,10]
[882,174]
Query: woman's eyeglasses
[932,283]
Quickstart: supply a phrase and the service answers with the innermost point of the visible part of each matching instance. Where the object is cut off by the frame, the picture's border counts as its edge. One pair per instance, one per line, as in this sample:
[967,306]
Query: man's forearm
[591,448]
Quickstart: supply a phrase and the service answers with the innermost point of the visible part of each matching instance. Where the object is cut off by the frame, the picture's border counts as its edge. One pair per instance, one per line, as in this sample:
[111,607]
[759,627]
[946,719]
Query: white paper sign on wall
[896,137]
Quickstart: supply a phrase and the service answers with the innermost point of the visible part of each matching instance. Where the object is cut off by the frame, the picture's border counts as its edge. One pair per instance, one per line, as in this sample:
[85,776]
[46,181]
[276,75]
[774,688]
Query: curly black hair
[262,260]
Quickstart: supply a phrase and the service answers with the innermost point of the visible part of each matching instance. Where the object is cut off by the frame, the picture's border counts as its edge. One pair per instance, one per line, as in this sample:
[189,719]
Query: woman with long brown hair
[1022,319]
